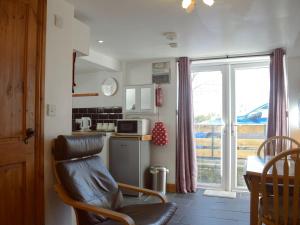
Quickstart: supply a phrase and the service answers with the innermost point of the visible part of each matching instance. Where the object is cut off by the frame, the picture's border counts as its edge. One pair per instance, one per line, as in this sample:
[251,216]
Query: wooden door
[20,76]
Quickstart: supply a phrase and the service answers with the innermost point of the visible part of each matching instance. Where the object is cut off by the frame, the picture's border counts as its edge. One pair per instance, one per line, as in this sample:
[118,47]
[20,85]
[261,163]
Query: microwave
[133,127]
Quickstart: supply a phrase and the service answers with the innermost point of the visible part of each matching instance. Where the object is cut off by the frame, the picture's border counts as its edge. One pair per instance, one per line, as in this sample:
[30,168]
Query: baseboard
[171,188]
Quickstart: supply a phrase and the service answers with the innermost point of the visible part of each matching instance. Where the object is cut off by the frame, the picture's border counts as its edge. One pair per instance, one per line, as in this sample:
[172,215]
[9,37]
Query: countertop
[113,134]
[79,132]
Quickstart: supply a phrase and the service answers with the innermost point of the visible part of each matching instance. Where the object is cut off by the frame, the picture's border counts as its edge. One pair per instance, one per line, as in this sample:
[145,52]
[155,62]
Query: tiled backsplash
[98,115]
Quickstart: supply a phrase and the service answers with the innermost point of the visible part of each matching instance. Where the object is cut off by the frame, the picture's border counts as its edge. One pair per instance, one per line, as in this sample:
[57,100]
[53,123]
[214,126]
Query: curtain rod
[232,56]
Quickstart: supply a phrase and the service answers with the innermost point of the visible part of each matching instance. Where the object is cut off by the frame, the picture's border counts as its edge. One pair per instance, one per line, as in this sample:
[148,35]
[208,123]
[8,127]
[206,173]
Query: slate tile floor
[196,209]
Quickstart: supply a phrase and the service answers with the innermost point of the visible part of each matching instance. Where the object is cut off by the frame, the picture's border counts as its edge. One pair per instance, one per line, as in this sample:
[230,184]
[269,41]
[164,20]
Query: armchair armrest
[144,190]
[120,217]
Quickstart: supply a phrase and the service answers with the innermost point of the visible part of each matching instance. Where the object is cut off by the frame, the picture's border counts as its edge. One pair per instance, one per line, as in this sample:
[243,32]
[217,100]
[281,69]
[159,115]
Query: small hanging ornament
[159,134]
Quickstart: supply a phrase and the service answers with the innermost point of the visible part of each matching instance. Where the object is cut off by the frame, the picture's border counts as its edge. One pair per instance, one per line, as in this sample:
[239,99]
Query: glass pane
[207,107]
[146,99]
[130,99]
[251,110]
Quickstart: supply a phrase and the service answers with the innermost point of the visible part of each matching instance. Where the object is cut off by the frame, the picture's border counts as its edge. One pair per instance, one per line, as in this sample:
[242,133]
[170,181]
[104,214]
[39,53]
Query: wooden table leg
[254,199]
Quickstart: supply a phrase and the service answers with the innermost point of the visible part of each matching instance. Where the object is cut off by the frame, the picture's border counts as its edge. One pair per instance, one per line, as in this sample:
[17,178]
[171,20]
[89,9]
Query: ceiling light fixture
[173,44]
[209,2]
[170,35]
[100,41]
[188,5]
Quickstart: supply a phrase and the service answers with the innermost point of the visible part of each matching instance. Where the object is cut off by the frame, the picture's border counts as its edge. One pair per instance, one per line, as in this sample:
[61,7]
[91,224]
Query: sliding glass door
[230,104]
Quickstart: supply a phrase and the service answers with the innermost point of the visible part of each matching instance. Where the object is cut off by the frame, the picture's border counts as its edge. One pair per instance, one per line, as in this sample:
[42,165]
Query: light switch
[58,21]
[51,110]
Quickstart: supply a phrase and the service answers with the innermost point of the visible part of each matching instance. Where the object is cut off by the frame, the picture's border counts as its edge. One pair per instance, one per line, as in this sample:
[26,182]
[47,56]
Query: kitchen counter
[113,134]
[139,137]
[79,132]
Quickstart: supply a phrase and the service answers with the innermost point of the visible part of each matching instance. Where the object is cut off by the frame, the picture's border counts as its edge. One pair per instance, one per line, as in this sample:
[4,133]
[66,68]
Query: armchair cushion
[69,147]
[88,180]
[156,214]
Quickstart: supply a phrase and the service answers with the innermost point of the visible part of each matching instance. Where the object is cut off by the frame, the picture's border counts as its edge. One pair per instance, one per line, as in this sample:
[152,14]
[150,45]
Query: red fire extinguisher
[158,96]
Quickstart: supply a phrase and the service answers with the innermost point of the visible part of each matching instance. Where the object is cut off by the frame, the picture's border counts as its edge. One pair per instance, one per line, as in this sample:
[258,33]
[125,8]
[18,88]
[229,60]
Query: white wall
[92,83]
[293,71]
[58,82]
[140,72]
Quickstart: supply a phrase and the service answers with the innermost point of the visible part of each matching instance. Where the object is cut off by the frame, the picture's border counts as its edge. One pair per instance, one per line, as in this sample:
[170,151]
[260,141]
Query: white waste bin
[159,178]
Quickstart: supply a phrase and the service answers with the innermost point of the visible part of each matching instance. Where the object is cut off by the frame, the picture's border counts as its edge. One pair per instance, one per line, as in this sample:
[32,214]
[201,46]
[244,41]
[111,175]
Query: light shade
[209,2]
[188,5]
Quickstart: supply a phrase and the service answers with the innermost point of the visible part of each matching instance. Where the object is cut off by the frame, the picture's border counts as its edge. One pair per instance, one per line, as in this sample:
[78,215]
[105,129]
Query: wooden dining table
[253,171]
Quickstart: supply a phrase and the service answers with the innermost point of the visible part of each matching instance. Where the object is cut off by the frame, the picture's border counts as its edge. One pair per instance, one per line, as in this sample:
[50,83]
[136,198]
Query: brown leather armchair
[84,183]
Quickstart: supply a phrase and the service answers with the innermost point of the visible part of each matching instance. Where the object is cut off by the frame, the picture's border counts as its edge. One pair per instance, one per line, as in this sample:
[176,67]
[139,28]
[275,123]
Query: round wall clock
[109,86]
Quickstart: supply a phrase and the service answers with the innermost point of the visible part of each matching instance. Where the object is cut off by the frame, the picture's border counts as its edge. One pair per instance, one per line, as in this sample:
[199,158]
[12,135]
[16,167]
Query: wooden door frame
[39,114]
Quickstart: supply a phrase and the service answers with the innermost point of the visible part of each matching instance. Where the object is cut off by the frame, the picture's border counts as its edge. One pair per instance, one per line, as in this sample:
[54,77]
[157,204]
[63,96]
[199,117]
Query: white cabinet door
[139,99]
[131,99]
[147,99]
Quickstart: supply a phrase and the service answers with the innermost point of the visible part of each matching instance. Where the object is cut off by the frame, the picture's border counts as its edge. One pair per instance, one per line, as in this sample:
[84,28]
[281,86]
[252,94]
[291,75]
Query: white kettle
[85,124]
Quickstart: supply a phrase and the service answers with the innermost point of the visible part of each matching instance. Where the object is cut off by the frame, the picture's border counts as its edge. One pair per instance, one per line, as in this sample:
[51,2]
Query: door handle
[233,128]
[29,134]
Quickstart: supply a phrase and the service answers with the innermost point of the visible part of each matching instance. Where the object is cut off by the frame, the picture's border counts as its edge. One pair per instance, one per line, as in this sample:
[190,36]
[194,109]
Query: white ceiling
[132,29]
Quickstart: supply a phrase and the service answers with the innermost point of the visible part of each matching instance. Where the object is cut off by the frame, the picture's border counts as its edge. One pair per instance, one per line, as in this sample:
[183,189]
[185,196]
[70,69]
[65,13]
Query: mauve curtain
[278,121]
[186,165]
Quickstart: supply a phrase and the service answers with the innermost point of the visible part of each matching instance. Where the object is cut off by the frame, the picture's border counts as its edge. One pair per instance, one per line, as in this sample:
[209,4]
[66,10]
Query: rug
[221,194]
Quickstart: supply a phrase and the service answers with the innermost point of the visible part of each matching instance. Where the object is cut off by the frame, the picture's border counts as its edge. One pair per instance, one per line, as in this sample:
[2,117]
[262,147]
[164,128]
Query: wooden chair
[274,145]
[84,183]
[281,207]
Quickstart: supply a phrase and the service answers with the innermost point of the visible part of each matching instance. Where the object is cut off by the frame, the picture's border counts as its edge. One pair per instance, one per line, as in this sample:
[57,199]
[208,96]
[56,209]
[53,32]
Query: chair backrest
[277,144]
[80,171]
[283,173]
